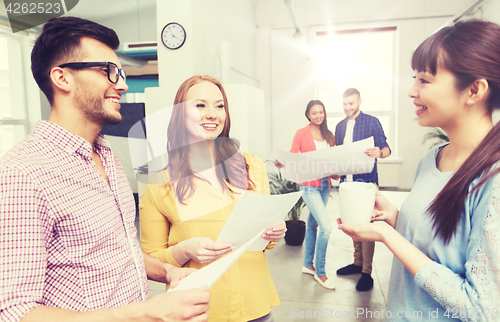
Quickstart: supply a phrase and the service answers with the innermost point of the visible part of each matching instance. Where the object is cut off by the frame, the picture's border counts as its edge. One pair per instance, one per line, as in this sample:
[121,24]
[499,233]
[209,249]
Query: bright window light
[363,59]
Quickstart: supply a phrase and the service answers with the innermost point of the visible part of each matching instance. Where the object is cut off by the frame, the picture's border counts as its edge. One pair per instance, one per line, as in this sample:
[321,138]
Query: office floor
[303,299]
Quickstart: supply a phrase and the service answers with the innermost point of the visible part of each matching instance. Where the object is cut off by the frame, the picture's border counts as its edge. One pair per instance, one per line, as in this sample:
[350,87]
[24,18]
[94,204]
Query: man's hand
[175,274]
[185,305]
[378,153]
[373,152]
[189,306]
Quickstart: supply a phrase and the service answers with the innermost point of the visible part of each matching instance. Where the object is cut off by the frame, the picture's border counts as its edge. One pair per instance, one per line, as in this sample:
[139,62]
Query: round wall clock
[173,35]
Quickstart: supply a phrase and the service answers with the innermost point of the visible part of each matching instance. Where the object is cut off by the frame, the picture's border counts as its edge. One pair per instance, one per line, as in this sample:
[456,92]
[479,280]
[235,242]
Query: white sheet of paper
[343,159]
[211,273]
[255,213]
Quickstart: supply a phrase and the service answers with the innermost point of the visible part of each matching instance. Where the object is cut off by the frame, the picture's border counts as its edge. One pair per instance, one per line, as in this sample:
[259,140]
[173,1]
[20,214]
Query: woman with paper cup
[446,236]
[315,136]
[185,207]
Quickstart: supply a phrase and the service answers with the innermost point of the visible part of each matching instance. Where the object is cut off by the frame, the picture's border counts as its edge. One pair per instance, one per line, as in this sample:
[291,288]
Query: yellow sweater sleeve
[155,227]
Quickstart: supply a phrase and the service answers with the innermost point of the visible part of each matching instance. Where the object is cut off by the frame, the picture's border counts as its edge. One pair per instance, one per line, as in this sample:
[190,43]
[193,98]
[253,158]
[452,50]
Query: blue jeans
[316,199]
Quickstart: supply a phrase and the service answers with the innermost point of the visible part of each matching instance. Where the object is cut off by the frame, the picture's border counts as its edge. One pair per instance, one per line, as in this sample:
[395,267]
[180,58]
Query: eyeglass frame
[80,65]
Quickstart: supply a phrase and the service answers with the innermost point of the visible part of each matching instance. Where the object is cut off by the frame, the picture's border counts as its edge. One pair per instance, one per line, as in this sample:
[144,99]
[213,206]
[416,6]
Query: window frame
[29,104]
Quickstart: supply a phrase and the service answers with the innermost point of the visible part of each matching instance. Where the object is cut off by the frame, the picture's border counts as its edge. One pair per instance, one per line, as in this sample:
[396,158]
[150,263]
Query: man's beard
[92,108]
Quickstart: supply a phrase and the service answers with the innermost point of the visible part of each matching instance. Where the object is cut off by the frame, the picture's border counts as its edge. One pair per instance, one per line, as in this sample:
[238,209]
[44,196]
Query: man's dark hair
[60,43]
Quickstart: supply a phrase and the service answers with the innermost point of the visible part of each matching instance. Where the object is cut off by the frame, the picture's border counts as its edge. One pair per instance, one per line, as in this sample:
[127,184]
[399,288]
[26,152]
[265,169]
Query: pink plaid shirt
[67,238]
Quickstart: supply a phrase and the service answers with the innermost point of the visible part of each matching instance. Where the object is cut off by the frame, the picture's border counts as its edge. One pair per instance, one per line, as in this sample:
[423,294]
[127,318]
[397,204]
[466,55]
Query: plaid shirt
[67,238]
[365,126]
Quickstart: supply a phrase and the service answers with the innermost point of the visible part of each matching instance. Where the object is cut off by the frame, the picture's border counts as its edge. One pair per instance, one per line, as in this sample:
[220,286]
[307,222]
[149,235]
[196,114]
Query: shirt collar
[359,117]
[69,142]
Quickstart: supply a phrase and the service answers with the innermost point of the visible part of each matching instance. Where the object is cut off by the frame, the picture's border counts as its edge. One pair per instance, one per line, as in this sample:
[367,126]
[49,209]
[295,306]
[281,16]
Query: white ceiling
[103,9]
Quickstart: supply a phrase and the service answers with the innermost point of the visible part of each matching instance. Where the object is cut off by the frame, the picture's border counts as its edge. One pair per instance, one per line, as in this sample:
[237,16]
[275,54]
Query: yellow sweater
[246,291]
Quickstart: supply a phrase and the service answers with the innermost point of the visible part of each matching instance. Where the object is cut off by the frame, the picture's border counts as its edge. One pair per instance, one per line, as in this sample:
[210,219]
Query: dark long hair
[323,127]
[226,150]
[471,51]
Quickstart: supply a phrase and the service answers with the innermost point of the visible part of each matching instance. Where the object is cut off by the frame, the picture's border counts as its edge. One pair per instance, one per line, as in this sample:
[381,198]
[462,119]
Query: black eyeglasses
[114,72]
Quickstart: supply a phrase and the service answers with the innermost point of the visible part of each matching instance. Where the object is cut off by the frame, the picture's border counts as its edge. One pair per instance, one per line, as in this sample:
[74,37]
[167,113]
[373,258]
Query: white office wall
[491,11]
[134,27]
[318,12]
[209,25]
[230,21]
[248,117]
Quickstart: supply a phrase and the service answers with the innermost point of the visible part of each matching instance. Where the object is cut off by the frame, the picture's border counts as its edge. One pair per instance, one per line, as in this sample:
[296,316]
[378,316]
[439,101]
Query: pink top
[68,238]
[303,141]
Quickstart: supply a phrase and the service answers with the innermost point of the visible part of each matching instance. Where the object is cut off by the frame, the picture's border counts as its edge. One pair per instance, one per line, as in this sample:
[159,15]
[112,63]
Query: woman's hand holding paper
[276,233]
[200,249]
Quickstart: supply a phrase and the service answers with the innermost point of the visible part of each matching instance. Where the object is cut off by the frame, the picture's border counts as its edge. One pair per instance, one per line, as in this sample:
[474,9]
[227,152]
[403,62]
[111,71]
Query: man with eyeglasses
[67,236]
[114,72]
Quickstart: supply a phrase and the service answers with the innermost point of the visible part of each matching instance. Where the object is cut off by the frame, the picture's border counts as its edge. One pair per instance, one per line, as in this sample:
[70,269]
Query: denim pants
[316,199]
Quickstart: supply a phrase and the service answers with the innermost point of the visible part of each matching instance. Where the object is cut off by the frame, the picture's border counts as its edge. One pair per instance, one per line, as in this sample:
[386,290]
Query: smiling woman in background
[315,136]
[446,235]
[185,206]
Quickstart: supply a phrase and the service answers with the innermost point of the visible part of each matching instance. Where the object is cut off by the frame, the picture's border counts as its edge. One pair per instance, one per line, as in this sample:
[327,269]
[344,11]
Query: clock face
[173,35]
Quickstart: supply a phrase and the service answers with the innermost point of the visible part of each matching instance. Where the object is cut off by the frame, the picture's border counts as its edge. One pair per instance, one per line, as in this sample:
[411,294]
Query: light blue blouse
[463,280]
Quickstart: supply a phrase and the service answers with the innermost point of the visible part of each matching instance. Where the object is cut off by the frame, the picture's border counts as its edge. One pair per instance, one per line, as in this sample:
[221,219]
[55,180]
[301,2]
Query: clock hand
[172,33]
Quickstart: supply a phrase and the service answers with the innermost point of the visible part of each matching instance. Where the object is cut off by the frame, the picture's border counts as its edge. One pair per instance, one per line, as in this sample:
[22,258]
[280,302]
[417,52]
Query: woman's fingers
[351,231]
[203,250]
[378,216]
[364,232]
[208,252]
[210,245]
[276,233]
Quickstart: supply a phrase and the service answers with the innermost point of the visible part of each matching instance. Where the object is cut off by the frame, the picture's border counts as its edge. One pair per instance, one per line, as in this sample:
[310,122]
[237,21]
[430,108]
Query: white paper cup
[356,200]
